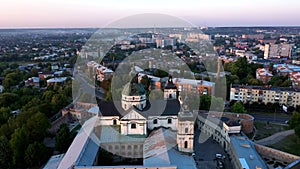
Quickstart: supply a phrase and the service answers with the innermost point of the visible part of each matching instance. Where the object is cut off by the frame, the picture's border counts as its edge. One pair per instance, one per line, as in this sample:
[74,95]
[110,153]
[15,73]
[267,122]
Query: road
[205,153]
[88,88]
[274,119]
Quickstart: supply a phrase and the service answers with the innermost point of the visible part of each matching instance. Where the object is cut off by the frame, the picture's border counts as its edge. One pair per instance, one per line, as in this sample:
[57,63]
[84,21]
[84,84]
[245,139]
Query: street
[205,153]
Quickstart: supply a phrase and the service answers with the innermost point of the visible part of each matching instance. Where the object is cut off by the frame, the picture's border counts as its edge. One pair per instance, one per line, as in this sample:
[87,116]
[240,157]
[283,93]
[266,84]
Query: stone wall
[278,155]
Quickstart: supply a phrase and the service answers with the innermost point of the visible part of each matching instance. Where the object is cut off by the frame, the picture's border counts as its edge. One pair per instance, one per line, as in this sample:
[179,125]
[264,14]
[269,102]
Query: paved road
[261,117]
[205,153]
[275,137]
[86,87]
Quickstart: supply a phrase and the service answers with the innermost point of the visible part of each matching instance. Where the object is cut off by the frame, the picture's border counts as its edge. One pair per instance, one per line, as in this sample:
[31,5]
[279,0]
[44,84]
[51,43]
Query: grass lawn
[262,131]
[271,114]
[290,144]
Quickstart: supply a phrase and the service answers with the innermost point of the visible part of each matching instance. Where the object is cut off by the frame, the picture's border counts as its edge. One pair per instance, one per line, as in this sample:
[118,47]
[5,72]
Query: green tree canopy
[5,153]
[35,154]
[63,138]
[238,107]
[18,143]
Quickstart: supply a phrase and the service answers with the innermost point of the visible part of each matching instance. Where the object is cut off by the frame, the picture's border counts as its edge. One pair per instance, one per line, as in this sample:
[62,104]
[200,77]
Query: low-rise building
[196,86]
[263,75]
[56,80]
[295,78]
[102,72]
[33,81]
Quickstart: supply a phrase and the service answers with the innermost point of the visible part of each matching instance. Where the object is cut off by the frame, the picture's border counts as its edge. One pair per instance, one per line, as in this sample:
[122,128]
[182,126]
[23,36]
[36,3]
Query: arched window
[155,121]
[169,121]
[185,144]
[186,130]
[133,126]
[115,122]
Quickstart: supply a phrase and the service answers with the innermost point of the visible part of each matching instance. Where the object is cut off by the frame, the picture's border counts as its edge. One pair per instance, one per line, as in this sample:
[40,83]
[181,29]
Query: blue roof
[246,152]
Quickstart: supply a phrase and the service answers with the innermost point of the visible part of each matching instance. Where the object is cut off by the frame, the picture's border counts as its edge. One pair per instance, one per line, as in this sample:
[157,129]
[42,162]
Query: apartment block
[278,51]
[265,94]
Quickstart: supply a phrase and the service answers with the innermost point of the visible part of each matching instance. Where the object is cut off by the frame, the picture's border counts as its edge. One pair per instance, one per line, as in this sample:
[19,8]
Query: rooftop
[193,82]
[160,150]
[265,88]
[246,152]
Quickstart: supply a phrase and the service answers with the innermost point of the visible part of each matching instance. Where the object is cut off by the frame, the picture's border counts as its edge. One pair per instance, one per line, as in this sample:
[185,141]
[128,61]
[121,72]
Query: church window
[185,144]
[133,126]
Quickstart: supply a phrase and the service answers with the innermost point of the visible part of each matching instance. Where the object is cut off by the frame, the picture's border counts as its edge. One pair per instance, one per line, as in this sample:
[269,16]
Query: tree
[295,120]
[36,127]
[34,72]
[59,101]
[297,130]
[238,107]
[205,102]
[63,138]
[5,153]
[18,143]
[35,154]
[4,114]
[145,82]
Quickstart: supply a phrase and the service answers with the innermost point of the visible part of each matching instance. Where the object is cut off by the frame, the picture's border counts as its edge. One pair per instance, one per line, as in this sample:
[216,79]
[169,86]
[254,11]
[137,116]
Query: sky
[100,13]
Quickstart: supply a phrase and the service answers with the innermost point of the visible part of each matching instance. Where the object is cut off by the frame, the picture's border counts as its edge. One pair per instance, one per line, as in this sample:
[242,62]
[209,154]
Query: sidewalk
[275,137]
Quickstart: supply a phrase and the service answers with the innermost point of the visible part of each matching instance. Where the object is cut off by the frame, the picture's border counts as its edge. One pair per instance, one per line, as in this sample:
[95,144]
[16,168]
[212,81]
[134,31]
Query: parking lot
[205,153]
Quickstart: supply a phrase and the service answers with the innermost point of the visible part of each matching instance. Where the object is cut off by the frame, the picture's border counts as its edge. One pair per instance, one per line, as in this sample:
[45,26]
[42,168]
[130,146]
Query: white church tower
[185,133]
[170,90]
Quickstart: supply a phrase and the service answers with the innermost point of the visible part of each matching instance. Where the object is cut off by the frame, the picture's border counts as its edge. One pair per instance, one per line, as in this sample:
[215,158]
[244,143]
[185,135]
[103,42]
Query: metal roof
[246,152]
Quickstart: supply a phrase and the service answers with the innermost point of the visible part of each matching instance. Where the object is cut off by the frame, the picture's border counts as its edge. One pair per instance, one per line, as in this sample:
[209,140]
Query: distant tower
[170,90]
[219,68]
[185,133]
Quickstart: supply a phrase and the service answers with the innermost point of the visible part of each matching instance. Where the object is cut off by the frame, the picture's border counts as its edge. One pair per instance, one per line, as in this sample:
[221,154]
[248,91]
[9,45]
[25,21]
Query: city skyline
[94,14]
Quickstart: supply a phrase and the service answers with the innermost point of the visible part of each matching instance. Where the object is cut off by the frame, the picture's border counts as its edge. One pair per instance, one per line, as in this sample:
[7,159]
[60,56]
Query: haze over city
[95,13]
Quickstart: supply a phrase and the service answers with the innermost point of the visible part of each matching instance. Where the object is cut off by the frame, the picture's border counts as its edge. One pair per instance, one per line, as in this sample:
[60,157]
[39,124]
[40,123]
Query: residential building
[273,51]
[56,81]
[196,86]
[102,72]
[263,75]
[265,94]
[253,36]
[33,81]
[295,78]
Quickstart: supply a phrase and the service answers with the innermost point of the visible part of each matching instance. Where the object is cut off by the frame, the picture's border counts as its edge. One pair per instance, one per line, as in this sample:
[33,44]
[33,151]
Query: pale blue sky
[98,13]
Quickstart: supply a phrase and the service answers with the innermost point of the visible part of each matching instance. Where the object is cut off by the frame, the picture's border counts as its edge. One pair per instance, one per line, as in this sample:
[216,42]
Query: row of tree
[24,121]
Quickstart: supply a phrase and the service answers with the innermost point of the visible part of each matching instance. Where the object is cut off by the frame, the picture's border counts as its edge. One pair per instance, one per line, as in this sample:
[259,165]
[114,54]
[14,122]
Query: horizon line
[225,26]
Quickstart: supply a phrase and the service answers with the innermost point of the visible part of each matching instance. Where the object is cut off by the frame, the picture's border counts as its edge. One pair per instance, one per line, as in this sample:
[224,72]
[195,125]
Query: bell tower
[170,90]
[185,133]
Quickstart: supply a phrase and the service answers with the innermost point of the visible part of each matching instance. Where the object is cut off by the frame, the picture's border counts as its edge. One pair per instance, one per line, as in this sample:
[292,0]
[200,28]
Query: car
[219,156]
[193,154]
[220,164]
